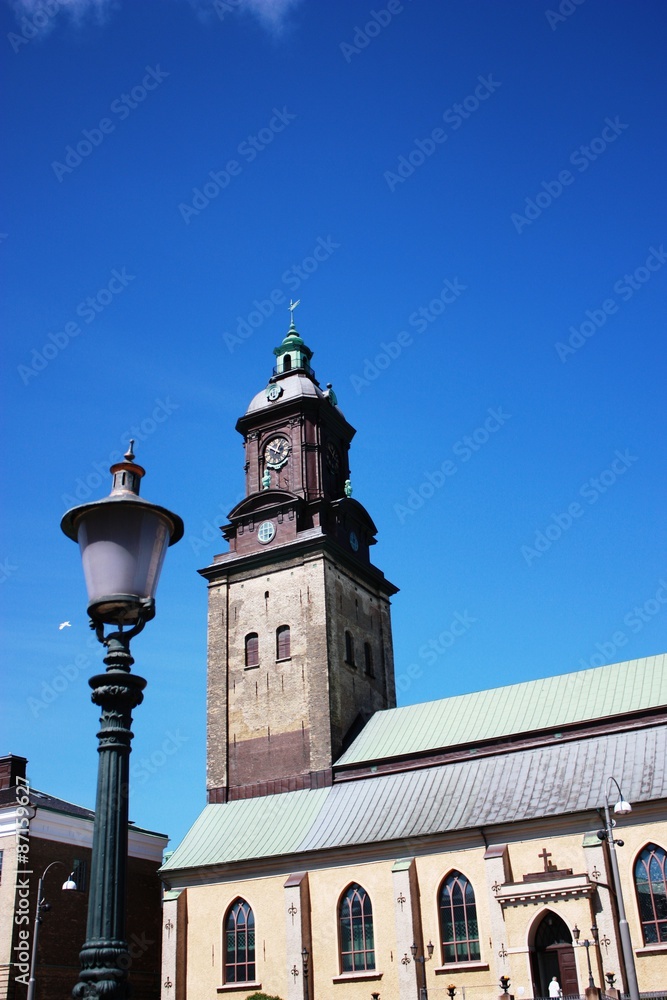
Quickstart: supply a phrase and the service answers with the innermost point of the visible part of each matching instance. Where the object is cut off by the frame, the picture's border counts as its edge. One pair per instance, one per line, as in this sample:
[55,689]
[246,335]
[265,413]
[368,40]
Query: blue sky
[468,199]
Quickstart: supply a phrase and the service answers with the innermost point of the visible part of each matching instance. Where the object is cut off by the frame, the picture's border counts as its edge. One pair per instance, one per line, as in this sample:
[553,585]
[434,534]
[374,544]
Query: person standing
[554,988]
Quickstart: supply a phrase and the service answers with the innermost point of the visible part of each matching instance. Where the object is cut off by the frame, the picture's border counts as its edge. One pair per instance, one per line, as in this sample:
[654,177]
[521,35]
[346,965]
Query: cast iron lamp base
[105,958]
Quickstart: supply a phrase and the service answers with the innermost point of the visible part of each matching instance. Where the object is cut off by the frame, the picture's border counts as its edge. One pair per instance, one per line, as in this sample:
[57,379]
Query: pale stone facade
[297,910]
[300,708]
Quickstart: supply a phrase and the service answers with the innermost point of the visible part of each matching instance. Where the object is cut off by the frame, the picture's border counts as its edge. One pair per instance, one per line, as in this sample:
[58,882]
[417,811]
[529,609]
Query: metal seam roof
[548,703]
[546,781]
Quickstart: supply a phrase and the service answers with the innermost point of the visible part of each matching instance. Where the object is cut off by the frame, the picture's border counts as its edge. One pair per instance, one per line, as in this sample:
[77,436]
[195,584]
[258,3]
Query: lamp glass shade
[123,546]
[622,806]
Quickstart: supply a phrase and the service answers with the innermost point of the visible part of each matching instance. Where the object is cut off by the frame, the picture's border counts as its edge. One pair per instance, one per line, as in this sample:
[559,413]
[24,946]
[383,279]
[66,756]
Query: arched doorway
[552,954]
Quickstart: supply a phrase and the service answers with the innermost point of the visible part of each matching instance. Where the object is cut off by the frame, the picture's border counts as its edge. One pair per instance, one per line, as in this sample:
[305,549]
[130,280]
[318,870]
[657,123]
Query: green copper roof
[291,341]
[497,713]
[553,780]
[249,828]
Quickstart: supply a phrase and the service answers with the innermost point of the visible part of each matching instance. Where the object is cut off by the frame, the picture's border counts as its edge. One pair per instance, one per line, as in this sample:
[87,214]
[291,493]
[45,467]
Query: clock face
[354,541]
[276,452]
[333,459]
[274,392]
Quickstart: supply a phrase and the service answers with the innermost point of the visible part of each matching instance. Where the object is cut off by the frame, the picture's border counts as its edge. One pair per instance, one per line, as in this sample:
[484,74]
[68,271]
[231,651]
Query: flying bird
[64,625]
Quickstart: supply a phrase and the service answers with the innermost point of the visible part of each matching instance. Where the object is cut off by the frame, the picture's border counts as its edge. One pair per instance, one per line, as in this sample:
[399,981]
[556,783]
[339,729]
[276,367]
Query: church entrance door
[552,955]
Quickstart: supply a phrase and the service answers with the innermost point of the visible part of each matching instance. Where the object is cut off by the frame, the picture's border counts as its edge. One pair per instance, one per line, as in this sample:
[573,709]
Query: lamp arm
[46,870]
[606,794]
[120,636]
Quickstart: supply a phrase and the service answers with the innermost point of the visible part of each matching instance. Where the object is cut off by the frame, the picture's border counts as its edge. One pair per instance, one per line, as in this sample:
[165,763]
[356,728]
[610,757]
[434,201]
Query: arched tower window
[252,650]
[651,887]
[239,943]
[458,920]
[287,363]
[349,648]
[283,642]
[355,923]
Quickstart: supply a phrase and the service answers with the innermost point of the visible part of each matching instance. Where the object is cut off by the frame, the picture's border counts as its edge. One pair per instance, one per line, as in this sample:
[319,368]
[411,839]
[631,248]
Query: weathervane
[292,306]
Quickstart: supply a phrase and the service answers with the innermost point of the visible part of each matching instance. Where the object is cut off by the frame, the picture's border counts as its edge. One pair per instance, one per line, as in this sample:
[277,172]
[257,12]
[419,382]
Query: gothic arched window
[252,650]
[458,920]
[355,923]
[651,886]
[239,943]
[283,642]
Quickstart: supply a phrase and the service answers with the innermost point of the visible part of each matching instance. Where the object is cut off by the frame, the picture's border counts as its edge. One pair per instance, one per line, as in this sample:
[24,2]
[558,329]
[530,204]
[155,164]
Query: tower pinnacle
[293,354]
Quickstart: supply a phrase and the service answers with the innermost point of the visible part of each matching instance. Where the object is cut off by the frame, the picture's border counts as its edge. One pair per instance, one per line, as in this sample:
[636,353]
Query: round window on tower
[266,532]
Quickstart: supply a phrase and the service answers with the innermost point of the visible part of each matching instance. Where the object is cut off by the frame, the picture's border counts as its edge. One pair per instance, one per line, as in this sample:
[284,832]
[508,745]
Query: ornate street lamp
[621,808]
[42,907]
[123,540]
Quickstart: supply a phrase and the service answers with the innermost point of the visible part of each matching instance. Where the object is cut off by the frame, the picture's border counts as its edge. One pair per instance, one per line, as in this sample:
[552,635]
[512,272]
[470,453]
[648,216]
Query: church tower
[299,630]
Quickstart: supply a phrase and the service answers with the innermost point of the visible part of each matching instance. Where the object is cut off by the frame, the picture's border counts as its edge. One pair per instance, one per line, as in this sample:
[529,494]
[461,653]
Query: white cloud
[271,14]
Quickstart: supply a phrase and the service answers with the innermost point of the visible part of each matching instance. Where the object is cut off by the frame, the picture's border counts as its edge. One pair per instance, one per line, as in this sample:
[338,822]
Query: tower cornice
[309,545]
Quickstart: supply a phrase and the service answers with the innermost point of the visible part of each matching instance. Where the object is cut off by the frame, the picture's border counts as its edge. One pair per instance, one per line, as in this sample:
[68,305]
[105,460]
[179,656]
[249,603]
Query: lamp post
[621,808]
[587,945]
[42,907]
[423,959]
[123,540]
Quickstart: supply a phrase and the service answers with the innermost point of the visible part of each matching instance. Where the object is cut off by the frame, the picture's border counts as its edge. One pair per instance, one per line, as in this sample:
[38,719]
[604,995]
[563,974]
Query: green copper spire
[293,354]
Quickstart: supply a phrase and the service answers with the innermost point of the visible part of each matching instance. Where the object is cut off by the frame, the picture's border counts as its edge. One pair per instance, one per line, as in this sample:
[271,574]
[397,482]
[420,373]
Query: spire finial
[129,454]
[292,306]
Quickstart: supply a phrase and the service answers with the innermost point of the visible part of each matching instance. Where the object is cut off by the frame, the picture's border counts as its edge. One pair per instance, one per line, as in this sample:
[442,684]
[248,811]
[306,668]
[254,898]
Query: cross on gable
[545,855]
